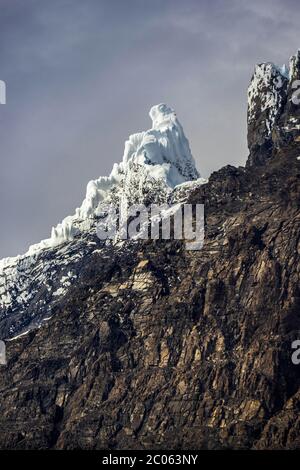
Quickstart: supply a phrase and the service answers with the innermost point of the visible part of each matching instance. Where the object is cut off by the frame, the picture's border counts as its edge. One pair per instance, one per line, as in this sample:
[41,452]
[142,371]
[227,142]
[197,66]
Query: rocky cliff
[153,346]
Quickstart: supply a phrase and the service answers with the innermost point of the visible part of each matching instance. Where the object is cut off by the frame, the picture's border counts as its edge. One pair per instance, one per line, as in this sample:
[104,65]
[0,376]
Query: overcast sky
[82,75]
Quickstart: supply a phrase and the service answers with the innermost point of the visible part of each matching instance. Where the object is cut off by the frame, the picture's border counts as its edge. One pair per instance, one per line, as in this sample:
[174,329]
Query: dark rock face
[154,346]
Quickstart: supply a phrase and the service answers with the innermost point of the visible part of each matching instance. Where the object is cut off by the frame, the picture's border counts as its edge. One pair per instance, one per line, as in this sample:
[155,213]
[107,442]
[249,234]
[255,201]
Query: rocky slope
[154,346]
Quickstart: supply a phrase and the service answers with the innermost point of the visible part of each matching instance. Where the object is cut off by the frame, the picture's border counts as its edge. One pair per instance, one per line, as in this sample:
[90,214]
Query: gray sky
[82,75]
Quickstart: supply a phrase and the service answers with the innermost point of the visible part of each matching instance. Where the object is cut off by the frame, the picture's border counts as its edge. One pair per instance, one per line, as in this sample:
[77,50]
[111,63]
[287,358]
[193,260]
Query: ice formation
[161,155]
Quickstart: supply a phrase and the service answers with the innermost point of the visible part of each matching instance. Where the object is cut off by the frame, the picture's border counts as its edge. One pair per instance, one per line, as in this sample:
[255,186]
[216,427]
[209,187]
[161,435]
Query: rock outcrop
[273,108]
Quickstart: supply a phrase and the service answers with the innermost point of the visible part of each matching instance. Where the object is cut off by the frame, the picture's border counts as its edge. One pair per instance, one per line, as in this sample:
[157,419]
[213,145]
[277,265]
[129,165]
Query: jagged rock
[273,117]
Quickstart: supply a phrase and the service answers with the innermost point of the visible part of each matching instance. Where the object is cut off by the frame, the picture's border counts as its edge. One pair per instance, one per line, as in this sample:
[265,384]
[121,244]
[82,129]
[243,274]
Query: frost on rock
[272,115]
[265,94]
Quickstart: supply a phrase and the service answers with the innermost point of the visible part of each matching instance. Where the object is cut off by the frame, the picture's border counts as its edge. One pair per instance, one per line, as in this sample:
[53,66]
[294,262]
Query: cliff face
[155,346]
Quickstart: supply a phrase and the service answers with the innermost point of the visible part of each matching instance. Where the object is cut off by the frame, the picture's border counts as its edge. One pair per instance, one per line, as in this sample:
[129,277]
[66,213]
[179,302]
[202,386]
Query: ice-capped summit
[164,149]
[154,162]
[165,143]
[154,159]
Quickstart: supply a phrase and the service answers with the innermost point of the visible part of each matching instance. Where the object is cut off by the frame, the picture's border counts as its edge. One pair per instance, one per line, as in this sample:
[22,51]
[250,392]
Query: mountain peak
[163,150]
[156,167]
[159,158]
[162,116]
[273,116]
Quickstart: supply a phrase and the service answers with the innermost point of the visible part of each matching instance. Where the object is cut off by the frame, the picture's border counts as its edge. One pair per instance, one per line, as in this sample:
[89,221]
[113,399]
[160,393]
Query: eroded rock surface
[156,346]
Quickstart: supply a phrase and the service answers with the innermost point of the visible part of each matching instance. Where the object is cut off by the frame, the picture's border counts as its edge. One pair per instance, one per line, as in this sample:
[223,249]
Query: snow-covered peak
[157,167]
[162,116]
[264,92]
[166,145]
[159,155]
[154,161]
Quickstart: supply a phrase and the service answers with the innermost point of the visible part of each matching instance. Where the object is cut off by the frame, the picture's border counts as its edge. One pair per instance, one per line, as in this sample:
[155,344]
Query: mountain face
[157,167]
[145,344]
